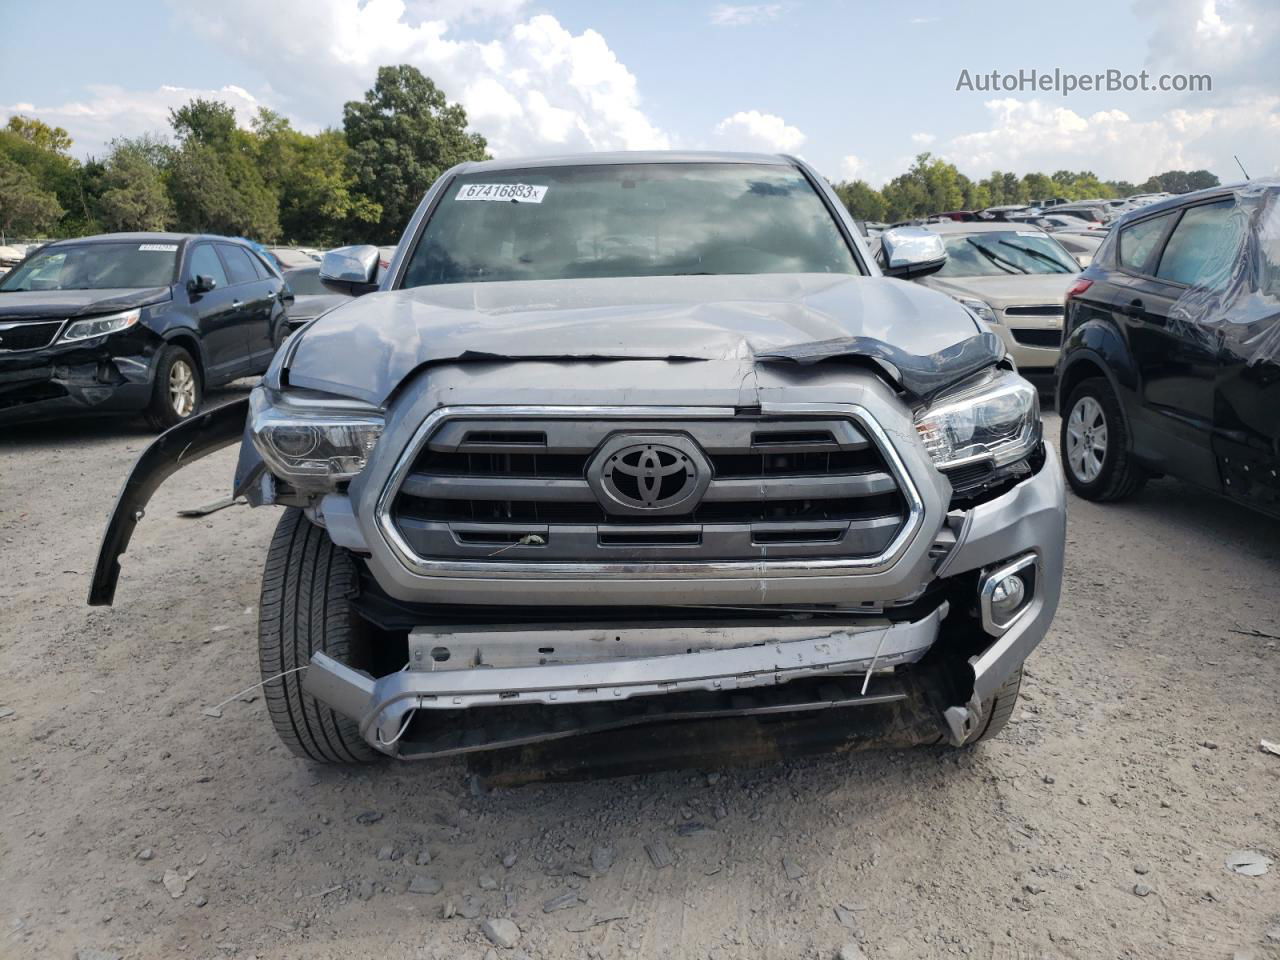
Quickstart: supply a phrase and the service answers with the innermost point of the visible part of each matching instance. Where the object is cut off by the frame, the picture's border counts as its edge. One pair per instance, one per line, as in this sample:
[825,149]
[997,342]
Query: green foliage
[863,201]
[221,191]
[1180,181]
[403,135]
[133,189]
[25,207]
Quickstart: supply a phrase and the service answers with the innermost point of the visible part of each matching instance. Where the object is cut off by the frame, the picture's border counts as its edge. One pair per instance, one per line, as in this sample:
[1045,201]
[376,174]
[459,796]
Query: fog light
[1007,597]
[1005,592]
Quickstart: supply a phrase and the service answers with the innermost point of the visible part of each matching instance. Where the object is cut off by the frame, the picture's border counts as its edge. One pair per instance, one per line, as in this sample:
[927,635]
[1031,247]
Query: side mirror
[910,252]
[350,270]
[201,284]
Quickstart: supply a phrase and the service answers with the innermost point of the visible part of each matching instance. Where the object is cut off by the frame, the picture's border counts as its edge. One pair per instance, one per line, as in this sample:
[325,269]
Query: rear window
[1138,241]
[96,266]
[239,264]
[1203,246]
[628,220]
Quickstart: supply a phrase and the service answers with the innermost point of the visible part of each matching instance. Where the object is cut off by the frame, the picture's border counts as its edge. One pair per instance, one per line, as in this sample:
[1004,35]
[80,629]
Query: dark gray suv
[633,438]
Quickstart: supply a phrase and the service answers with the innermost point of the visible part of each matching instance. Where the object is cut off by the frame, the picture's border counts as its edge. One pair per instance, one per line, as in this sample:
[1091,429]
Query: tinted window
[205,263]
[1137,242]
[629,220]
[1202,248]
[999,252]
[239,264]
[96,266]
[306,281]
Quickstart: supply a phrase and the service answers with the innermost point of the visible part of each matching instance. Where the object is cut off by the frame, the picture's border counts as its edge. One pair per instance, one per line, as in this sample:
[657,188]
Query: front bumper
[1028,521]
[111,374]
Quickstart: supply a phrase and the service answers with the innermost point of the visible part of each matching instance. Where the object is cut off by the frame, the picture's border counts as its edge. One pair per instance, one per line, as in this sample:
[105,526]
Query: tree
[313,181]
[134,195]
[1180,181]
[931,186]
[209,122]
[215,179]
[39,134]
[25,208]
[861,199]
[403,135]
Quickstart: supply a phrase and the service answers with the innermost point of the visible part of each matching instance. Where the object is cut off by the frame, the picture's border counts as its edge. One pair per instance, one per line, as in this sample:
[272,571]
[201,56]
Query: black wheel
[1095,444]
[306,589]
[997,712]
[177,391]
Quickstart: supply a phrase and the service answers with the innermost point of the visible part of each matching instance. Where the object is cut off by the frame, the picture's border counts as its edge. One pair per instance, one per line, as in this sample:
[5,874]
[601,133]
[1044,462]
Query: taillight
[1079,287]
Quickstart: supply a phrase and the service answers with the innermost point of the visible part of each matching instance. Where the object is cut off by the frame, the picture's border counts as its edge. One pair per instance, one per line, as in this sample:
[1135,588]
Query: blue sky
[856,88]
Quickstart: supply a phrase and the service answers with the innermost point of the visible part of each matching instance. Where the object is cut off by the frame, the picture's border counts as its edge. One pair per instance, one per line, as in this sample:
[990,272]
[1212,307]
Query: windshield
[96,266]
[632,220]
[305,282]
[1001,252]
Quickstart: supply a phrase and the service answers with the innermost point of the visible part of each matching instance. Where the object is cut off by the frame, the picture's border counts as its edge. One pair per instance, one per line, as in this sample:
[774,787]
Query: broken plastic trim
[922,377]
[186,443]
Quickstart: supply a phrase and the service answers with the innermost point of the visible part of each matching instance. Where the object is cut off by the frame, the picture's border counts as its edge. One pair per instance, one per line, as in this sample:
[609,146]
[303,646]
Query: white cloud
[1033,135]
[730,15]
[917,21]
[753,130]
[456,11]
[108,112]
[533,87]
[922,139]
[851,166]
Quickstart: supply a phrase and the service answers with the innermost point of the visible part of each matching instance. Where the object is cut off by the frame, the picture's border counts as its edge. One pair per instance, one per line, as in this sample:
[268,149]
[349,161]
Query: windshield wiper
[1038,255]
[995,258]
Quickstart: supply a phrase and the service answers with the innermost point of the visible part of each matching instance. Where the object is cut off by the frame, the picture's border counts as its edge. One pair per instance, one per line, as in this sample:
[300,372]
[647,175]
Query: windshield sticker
[1028,233]
[159,247]
[511,192]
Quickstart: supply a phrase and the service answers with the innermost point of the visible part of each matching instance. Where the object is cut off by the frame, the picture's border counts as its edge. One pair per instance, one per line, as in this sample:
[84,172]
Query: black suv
[1171,359]
[134,322]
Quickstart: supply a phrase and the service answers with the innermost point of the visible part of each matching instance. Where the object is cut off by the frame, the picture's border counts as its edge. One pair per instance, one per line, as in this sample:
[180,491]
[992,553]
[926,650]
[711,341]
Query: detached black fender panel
[186,443]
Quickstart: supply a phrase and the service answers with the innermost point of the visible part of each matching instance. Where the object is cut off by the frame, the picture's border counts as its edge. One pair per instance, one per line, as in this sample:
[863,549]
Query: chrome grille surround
[662,568]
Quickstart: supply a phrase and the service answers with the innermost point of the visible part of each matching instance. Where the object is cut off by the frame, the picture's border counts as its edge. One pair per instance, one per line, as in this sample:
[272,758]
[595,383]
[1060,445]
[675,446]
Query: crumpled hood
[366,348]
[77,303]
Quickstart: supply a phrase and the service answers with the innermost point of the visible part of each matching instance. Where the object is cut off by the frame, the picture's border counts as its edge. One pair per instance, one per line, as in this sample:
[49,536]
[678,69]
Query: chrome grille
[28,335]
[517,490]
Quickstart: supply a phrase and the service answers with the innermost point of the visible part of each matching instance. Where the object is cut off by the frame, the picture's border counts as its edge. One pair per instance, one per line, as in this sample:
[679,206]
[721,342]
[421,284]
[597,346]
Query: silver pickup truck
[629,439]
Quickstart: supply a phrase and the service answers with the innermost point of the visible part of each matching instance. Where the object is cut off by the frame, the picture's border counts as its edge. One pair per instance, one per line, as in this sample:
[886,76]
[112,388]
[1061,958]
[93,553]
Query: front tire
[306,591]
[177,392]
[1095,444]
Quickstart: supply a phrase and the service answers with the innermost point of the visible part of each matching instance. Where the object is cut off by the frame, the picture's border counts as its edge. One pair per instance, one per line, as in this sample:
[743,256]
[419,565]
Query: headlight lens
[100,326]
[994,416]
[981,308]
[312,443]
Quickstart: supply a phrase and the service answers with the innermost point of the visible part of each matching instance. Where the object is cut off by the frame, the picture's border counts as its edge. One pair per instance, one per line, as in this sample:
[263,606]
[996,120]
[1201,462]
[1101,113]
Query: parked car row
[146,322]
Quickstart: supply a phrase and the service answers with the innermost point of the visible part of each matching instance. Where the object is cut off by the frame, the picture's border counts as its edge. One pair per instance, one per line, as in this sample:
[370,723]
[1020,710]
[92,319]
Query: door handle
[1134,308]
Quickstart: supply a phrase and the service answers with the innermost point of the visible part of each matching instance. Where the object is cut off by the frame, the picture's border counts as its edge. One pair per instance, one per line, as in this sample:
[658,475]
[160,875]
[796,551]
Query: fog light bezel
[991,578]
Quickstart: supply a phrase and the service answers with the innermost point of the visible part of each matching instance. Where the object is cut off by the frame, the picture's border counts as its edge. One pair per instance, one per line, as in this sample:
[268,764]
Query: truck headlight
[100,326]
[981,309]
[994,416]
[313,443]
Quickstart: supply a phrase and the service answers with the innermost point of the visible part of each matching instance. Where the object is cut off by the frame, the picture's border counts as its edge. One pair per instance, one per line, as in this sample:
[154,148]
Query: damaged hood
[367,347]
[76,303]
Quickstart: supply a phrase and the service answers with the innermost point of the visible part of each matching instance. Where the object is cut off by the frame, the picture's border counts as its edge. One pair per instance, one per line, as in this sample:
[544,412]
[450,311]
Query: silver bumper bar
[380,706]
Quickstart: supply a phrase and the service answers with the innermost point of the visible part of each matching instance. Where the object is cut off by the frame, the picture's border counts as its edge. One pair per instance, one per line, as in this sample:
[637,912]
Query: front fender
[186,443]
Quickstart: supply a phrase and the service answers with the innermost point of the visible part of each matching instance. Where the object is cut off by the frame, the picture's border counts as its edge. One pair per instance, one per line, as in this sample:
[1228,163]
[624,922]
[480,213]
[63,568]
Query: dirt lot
[1132,767]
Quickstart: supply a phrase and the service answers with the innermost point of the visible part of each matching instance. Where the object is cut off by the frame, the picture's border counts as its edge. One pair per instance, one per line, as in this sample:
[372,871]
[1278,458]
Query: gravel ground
[1097,826]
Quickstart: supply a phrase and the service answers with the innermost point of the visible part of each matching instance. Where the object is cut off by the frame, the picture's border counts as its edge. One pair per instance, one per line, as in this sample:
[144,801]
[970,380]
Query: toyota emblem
[643,474]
